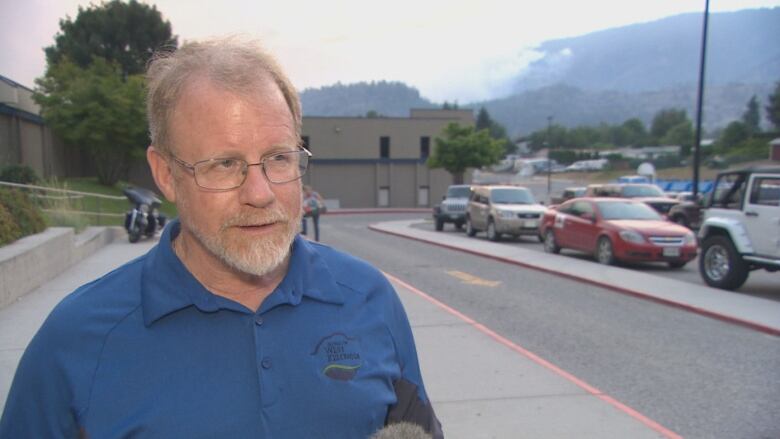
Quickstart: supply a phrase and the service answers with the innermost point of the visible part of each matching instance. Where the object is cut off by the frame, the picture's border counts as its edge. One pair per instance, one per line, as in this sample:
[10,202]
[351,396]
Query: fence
[64,207]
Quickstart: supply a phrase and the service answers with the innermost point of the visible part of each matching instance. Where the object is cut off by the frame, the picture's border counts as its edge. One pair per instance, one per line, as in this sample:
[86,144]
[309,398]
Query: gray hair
[232,63]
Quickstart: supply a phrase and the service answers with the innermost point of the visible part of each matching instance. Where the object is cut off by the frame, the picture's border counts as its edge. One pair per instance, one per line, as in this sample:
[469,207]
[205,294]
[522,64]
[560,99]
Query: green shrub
[23,212]
[18,174]
[9,231]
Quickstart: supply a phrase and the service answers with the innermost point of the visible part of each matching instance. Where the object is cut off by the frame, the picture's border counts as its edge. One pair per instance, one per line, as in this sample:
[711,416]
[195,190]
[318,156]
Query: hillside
[609,76]
[742,48]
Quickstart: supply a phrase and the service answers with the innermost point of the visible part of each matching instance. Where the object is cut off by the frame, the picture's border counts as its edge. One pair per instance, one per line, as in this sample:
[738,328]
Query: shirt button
[258,320]
[266,363]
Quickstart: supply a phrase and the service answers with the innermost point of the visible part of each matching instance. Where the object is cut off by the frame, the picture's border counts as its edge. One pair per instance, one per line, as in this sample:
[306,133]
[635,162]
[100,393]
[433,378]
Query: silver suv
[500,210]
[453,207]
[741,227]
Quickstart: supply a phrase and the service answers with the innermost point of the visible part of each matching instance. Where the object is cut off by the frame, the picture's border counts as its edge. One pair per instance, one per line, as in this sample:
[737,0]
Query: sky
[449,49]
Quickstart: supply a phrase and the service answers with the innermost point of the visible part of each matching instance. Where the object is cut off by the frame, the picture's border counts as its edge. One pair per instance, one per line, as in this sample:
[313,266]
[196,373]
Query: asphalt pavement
[753,312]
[482,384]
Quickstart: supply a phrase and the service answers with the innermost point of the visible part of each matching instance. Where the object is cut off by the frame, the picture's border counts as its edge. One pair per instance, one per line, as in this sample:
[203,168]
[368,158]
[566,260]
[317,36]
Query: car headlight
[631,236]
[506,214]
[690,238]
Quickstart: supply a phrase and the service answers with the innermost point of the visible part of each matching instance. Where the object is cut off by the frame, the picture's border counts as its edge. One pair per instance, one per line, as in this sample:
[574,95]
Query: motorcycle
[145,217]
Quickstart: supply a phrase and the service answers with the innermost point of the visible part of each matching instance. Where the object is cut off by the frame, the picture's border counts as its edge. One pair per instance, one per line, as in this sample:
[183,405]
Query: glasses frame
[191,167]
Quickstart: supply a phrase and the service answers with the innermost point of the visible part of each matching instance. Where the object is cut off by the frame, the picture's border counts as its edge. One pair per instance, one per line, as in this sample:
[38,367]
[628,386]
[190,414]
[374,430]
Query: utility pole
[549,163]
[697,139]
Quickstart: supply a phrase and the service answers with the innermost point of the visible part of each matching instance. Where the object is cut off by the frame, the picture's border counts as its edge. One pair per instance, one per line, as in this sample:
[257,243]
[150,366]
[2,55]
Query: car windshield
[628,211]
[458,192]
[642,191]
[512,196]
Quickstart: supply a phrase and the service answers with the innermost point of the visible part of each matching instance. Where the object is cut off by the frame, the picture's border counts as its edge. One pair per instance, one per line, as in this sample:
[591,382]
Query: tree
[94,109]
[496,130]
[665,120]
[636,132]
[682,135]
[752,118]
[773,107]
[92,94]
[125,33]
[735,133]
[463,147]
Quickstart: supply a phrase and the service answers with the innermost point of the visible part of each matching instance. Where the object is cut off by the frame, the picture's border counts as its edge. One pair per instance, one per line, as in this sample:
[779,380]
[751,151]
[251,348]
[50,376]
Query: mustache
[255,219]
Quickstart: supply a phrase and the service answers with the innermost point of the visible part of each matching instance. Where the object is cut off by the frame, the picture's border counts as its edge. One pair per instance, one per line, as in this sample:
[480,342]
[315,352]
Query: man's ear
[162,172]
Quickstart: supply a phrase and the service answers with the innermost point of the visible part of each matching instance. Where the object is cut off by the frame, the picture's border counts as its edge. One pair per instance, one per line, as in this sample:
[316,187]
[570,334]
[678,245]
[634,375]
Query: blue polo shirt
[147,351]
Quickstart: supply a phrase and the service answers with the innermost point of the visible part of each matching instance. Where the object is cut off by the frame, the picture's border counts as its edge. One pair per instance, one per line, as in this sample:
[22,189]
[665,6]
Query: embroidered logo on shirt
[340,355]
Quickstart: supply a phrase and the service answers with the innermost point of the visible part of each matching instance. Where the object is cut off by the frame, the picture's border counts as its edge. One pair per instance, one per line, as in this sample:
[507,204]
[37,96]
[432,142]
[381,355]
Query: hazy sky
[448,49]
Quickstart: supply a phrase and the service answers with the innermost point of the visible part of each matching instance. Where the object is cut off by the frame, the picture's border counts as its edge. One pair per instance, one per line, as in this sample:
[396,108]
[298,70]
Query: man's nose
[256,190]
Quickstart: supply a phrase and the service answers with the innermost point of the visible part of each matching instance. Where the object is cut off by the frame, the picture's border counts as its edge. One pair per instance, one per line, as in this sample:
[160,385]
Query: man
[231,326]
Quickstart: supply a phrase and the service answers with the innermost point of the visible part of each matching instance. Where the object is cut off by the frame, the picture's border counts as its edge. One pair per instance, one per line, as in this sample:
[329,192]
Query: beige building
[378,162]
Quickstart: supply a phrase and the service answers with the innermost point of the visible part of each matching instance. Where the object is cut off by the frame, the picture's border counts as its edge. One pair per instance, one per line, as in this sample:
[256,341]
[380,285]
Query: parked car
[453,207]
[649,194]
[614,229]
[741,227]
[569,193]
[688,212]
[503,210]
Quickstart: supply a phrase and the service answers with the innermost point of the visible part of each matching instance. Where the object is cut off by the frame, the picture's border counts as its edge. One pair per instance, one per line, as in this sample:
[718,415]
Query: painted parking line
[655,426]
[470,279]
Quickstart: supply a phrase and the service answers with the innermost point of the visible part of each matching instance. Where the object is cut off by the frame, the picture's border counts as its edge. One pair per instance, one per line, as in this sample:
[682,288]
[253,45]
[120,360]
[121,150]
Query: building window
[384,196]
[305,142]
[384,147]
[422,196]
[425,147]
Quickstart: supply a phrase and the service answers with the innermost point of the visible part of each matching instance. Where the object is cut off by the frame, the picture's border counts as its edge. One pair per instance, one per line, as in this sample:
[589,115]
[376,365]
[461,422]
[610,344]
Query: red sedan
[615,229]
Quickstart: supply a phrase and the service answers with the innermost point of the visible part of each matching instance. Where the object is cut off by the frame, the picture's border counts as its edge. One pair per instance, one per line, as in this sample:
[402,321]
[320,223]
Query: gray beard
[258,257]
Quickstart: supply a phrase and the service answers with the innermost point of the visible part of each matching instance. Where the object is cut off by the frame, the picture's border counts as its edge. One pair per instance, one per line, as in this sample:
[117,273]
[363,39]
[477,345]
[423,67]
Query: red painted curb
[684,306]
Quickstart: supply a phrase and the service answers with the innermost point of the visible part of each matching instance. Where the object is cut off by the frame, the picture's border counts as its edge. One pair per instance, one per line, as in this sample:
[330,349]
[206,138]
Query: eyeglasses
[229,173]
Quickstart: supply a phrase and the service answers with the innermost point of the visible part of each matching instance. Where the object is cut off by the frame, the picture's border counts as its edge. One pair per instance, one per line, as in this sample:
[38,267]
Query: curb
[679,305]
[425,210]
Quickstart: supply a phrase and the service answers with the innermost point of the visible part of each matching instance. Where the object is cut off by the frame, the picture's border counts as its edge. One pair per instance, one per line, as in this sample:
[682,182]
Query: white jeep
[741,227]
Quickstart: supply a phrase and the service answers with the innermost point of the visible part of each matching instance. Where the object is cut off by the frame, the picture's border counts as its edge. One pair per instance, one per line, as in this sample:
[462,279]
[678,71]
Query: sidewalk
[482,386]
[753,312]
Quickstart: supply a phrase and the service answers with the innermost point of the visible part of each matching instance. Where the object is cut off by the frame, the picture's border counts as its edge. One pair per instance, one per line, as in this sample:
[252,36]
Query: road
[700,377]
[760,283]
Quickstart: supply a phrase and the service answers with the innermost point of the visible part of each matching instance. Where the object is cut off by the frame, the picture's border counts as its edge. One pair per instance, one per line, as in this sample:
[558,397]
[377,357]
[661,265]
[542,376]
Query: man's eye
[226,163]
[279,158]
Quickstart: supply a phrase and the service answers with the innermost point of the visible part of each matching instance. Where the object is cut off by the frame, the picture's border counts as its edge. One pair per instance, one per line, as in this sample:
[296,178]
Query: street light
[549,163]
[697,139]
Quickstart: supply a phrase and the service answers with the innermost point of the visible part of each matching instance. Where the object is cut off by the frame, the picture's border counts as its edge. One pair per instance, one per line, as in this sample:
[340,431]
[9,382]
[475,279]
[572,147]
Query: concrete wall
[31,261]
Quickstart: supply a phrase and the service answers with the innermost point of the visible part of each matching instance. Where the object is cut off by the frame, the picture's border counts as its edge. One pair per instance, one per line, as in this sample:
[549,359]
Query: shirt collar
[167,286]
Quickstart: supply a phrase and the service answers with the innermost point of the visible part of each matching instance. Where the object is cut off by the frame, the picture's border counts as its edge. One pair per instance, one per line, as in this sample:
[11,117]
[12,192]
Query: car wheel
[470,230]
[492,234]
[681,220]
[677,264]
[550,246]
[604,251]
[720,265]
[459,226]
[439,225]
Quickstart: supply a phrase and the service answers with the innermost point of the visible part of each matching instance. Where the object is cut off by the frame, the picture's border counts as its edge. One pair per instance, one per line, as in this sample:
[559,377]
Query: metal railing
[65,207]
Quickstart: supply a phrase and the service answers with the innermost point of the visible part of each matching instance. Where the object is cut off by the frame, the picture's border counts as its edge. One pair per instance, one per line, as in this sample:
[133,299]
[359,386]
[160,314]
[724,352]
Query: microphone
[401,430]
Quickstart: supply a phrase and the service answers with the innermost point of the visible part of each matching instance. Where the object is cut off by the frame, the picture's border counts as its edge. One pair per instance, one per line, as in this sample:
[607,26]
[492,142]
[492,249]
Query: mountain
[571,106]
[610,76]
[386,98]
[741,47]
